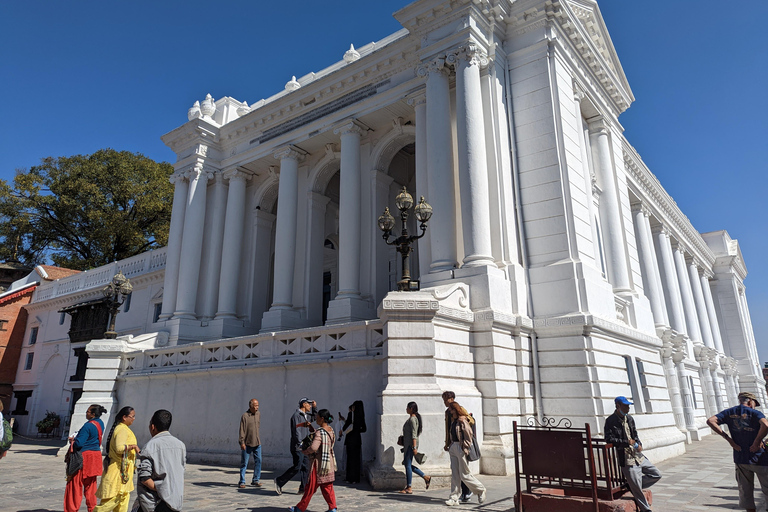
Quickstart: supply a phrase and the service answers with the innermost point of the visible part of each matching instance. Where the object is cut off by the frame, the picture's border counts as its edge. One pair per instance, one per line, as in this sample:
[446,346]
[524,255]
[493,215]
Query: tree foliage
[85,211]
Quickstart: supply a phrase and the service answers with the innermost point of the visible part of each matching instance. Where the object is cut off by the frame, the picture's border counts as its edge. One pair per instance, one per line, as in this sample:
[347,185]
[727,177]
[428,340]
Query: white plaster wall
[207,405]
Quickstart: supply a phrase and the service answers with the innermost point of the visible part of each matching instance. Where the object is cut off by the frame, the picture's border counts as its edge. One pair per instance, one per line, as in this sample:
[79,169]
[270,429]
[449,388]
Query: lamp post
[115,293]
[402,244]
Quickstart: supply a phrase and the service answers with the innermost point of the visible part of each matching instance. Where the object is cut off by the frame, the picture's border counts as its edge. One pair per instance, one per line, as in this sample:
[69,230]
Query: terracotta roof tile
[58,272]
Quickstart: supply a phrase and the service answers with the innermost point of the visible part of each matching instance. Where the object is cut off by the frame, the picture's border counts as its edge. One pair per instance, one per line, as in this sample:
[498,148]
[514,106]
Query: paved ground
[32,480]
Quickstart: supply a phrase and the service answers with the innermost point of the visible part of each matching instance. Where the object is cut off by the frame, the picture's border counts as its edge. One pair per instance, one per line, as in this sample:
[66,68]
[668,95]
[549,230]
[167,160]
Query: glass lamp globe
[119,279]
[404,200]
[108,291]
[423,211]
[386,221]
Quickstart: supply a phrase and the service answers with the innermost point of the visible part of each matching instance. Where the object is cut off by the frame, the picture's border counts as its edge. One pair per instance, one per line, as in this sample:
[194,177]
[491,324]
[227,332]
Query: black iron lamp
[423,212]
[115,293]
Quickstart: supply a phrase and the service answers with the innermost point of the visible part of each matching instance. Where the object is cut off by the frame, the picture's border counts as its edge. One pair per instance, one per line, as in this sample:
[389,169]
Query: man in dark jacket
[300,422]
[620,432]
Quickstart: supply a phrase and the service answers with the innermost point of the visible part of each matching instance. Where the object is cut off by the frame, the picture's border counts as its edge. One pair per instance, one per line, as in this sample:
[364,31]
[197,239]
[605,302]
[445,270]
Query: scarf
[326,452]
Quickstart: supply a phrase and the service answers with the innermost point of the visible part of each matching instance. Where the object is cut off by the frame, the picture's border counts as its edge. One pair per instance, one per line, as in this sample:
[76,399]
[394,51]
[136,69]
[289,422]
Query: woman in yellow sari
[117,481]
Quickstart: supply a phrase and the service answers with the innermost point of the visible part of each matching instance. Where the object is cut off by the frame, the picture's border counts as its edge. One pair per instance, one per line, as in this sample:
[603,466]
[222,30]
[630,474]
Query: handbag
[420,458]
[73,460]
[307,441]
[474,450]
[400,441]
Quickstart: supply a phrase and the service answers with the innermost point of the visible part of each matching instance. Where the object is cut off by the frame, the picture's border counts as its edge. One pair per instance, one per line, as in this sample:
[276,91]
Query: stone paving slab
[32,480]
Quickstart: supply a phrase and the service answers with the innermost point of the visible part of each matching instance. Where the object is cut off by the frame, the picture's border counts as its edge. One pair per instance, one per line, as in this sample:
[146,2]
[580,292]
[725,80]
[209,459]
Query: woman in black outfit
[353,427]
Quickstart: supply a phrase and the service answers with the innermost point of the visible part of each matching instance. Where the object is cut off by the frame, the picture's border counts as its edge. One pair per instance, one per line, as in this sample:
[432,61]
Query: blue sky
[79,76]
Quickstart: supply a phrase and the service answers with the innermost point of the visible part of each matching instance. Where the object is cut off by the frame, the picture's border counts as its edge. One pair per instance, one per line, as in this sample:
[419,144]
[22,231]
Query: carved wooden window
[89,321]
[21,402]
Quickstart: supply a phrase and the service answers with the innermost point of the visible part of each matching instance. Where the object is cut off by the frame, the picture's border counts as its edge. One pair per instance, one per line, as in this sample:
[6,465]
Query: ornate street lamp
[402,244]
[115,294]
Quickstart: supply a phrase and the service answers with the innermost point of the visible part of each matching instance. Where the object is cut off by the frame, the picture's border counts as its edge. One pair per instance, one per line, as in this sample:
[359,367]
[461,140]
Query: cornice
[664,208]
[196,131]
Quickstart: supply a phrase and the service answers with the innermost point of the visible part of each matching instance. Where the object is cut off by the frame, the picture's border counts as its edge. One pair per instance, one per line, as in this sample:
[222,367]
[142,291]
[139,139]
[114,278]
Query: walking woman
[353,441]
[322,464]
[117,481]
[88,442]
[411,433]
[461,440]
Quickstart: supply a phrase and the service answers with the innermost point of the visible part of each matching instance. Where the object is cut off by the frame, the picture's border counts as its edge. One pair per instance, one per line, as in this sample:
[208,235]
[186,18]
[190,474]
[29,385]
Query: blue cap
[622,400]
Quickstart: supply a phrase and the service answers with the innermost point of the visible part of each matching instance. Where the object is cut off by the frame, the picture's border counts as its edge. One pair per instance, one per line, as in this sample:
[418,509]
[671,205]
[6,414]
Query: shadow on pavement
[41,451]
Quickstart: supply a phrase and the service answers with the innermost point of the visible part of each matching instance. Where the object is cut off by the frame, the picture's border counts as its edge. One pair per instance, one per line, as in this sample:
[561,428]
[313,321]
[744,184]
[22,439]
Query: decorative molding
[236,175]
[290,151]
[351,126]
[351,55]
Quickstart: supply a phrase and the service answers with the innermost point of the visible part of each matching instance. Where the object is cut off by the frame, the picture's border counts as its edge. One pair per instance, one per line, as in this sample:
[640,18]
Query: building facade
[556,272]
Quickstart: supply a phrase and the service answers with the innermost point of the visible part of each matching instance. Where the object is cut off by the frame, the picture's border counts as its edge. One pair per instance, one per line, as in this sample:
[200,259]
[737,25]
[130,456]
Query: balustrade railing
[143,263]
[317,343]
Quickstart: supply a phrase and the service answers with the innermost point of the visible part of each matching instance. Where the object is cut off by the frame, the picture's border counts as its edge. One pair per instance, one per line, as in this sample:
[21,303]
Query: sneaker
[466,497]
[332,510]
[293,509]
[278,489]
[481,498]
[241,486]
[451,502]
[256,484]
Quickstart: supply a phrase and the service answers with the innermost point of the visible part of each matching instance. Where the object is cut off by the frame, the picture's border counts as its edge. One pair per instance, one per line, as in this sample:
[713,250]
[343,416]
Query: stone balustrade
[359,339]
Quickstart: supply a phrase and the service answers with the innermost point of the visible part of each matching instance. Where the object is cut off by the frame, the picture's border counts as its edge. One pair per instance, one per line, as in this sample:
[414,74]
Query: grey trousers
[639,478]
[745,477]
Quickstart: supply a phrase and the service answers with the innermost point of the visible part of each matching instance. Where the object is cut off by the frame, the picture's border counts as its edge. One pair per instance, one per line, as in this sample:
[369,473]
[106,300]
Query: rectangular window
[644,385]
[632,380]
[33,335]
[693,392]
[82,364]
[62,317]
[3,324]
[127,303]
[21,402]
[28,363]
[156,314]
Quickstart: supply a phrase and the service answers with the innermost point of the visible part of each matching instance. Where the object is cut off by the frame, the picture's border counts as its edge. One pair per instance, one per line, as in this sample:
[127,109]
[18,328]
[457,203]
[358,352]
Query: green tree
[85,211]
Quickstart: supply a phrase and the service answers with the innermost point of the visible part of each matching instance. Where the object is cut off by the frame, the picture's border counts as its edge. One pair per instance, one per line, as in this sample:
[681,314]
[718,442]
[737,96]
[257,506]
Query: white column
[380,183]
[440,167]
[649,267]
[173,256]
[610,210]
[349,210]
[714,324]
[689,309]
[285,236]
[680,345]
[233,244]
[213,251]
[419,104]
[669,280]
[473,166]
[673,384]
[263,223]
[701,307]
[192,242]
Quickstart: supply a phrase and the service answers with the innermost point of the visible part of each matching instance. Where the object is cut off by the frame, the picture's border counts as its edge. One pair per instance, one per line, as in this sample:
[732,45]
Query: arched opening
[330,273]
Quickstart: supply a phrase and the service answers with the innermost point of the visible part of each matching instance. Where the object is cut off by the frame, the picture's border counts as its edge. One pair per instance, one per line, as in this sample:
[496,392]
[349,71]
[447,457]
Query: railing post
[592,470]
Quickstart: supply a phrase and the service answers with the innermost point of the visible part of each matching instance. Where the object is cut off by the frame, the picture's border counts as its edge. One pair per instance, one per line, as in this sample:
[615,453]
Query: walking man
[448,398]
[637,469]
[161,467]
[748,427]
[250,444]
[300,422]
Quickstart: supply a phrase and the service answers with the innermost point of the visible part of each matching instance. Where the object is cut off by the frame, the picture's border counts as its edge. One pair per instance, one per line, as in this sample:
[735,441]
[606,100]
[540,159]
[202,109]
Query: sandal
[427,481]
[407,490]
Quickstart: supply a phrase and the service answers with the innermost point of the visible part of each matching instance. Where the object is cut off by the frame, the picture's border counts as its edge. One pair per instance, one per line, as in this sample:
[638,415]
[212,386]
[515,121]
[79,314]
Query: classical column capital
[660,228]
[177,177]
[290,152]
[236,174]
[598,125]
[578,93]
[641,207]
[350,126]
[417,99]
[705,273]
[436,65]
[199,171]
[469,53]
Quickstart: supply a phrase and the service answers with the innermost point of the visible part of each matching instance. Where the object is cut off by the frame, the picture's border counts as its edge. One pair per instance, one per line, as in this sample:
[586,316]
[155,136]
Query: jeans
[300,465]
[410,469]
[639,478]
[244,456]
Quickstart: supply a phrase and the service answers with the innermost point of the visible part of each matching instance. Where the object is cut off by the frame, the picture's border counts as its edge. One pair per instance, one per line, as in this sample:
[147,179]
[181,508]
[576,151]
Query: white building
[556,273]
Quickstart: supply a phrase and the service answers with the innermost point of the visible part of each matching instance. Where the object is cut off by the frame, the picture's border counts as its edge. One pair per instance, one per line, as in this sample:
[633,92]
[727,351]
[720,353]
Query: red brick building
[13,322]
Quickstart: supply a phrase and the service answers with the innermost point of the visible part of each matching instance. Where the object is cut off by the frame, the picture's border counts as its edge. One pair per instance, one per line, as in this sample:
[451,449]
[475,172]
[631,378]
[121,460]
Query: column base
[276,320]
[342,310]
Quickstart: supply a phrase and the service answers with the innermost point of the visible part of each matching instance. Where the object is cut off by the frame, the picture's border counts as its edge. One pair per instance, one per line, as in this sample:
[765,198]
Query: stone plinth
[549,500]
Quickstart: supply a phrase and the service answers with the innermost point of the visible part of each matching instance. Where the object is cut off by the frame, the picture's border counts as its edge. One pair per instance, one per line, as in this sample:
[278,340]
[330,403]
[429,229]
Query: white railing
[143,263]
[318,343]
